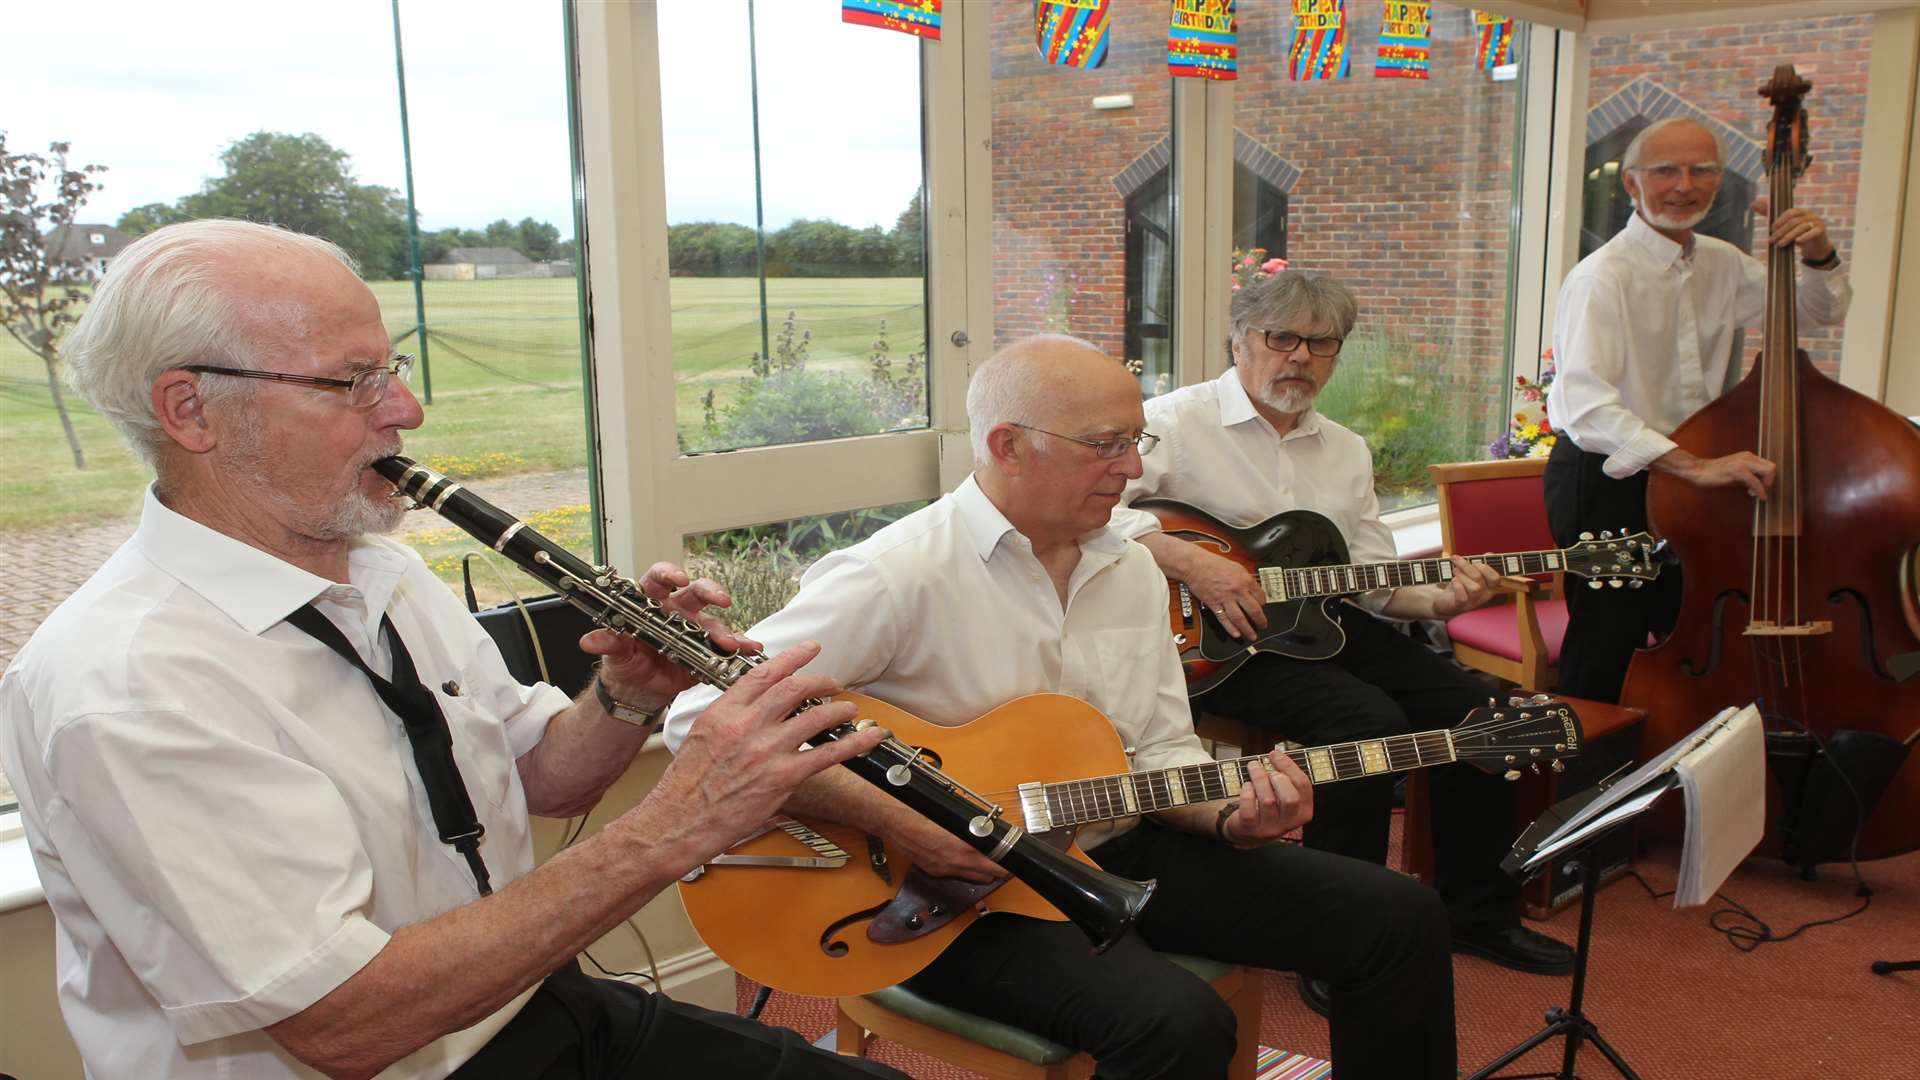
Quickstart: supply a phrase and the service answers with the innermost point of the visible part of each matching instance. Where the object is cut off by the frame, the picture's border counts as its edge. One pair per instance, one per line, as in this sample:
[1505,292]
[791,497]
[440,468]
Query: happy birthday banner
[1203,40]
[1319,41]
[1072,33]
[921,18]
[1406,34]
[1496,39]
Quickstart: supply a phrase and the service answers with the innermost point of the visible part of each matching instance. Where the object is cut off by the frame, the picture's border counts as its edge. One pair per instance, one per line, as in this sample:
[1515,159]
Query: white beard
[355,515]
[1288,399]
[1663,221]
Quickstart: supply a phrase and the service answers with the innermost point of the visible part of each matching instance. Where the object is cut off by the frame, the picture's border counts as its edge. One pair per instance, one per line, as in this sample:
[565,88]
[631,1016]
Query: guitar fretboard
[1285,583]
[1077,802]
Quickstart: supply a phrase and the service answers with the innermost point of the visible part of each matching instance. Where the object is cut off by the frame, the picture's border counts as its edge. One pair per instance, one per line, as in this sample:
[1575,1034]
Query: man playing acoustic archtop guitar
[1249,445]
[1014,584]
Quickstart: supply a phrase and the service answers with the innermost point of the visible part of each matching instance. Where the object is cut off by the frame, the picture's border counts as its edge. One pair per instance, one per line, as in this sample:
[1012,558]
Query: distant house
[94,245]
[481,263]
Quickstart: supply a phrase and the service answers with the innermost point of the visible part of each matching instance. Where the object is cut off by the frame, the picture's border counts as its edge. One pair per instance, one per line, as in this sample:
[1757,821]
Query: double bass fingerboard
[1078,802]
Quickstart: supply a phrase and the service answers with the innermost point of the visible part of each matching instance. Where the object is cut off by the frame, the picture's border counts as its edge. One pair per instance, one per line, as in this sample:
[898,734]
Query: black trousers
[1378,936]
[1384,683]
[577,1028]
[1604,626]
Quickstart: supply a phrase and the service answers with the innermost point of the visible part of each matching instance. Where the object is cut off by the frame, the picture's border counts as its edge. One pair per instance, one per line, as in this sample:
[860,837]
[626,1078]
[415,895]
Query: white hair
[161,307]
[1637,147]
[1003,390]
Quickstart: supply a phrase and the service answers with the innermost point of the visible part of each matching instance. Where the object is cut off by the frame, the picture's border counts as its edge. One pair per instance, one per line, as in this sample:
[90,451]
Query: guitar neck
[1080,802]
[1286,583]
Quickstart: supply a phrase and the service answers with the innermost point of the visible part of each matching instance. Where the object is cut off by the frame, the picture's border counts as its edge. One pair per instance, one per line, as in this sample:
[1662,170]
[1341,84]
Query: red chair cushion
[1495,629]
[1499,515]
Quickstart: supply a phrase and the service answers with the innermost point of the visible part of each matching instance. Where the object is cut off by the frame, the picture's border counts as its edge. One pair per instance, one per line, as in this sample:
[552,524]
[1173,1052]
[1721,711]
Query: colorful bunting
[1203,40]
[1319,40]
[1072,33]
[1406,31]
[921,18]
[1496,39]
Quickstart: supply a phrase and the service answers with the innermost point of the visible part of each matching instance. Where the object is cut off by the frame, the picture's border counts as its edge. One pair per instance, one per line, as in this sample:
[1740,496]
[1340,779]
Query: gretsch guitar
[822,909]
[1300,560]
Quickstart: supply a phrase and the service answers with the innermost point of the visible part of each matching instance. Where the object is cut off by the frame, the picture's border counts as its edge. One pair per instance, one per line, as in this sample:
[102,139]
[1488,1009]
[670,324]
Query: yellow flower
[1531,431]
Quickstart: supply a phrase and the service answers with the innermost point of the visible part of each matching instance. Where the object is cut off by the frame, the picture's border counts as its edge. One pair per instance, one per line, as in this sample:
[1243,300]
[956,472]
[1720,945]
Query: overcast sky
[155,90]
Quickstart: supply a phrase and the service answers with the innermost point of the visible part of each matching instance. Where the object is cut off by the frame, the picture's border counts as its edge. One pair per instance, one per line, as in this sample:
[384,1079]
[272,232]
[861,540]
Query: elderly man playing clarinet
[213,739]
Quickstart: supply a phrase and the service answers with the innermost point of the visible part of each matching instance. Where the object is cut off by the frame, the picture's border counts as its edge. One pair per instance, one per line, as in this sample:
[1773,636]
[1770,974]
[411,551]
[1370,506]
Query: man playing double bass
[1644,336]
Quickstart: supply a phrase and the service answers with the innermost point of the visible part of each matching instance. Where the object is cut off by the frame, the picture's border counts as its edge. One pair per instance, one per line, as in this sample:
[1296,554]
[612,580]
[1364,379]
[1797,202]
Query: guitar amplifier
[559,626]
[1560,884]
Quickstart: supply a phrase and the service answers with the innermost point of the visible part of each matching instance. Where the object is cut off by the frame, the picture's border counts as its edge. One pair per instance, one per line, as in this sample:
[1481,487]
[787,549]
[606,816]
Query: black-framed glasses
[1104,448]
[364,390]
[1285,341]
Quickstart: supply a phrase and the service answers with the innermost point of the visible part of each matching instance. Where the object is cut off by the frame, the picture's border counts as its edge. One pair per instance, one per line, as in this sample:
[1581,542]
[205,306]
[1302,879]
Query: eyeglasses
[1668,172]
[364,390]
[1285,341]
[1107,449]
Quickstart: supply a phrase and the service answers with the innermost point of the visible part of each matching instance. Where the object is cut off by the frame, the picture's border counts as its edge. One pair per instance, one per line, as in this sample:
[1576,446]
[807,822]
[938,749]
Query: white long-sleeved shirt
[1643,337]
[947,614]
[1219,454]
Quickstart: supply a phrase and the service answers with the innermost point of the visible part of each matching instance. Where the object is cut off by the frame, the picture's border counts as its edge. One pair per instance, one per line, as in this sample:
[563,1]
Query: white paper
[1724,781]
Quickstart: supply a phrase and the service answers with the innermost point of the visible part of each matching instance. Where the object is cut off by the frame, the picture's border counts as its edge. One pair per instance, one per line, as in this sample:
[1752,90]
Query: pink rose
[1273,266]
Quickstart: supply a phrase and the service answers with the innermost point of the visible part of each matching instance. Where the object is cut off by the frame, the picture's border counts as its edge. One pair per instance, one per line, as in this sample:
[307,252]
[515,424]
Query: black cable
[1755,932]
[619,974]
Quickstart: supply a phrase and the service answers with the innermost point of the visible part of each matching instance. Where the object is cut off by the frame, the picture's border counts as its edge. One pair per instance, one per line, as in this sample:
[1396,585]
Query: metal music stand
[1577,825]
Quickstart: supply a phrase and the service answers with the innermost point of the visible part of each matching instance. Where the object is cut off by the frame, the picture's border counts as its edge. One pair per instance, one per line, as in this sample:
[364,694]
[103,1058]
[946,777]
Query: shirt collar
[986,526]
[1237,408]
[254,589]
[1664,251]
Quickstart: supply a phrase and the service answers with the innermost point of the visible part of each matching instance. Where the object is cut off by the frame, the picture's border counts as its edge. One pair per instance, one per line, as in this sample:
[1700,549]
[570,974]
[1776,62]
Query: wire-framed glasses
[1285,341]
[1668,172]
[1104,448]
[365,389]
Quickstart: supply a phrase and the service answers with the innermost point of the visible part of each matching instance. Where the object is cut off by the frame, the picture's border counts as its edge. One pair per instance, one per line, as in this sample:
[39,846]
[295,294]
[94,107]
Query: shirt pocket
[479,749]
[1127,683]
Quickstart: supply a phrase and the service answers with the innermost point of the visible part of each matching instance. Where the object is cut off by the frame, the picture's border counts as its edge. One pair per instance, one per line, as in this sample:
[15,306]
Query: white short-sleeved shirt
[225,818]
[1217,453]
[1643,337]
[947,614]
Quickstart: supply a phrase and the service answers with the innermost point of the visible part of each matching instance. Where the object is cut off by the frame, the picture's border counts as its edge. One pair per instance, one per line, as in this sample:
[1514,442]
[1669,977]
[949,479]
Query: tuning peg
[1516,701]
[1539,699]
[1533,751]
[1586,536]
[1635,583]
[1615,582]
[1559,766]
[1536,768]
[1595,585]
[1606,534]
[1510,774]
[1491,703]
[1510,759]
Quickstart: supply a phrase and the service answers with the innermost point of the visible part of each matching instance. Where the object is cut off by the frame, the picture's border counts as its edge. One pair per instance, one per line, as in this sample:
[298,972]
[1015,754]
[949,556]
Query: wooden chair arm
[1522,586]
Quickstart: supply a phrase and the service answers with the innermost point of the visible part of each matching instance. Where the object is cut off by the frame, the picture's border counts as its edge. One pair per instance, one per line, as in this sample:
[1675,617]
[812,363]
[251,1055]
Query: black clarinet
[1101,904]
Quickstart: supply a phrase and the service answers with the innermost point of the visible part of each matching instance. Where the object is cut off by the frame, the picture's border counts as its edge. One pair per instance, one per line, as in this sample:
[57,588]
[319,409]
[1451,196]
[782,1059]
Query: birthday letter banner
[921,18]
[1072,33]
[1319,40]
[1496,39]
[1406,31]
[1203,40]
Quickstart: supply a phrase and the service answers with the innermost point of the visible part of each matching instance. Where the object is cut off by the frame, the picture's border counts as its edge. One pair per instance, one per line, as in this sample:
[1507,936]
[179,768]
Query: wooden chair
[1004,1052]
[1500,506]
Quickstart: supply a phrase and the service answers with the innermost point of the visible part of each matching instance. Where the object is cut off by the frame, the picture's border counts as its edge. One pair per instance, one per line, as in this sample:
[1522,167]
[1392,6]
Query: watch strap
[626,714]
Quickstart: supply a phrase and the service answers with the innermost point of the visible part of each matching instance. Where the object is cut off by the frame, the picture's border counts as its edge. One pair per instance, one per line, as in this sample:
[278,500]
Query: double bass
[1795,602]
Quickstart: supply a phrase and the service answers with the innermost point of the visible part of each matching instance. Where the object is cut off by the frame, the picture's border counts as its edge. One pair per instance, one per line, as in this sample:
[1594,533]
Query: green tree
[538,240]
[307,184]
[142,220]
[909,241]
[38,289]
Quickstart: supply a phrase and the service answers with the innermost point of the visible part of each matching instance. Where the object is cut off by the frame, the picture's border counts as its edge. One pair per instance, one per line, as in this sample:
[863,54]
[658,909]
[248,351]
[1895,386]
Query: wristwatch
[623,713]
[1832,260]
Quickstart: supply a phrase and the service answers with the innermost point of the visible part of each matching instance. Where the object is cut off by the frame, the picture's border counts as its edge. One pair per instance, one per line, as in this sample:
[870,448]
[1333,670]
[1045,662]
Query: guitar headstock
[1526,733]
[1623,559]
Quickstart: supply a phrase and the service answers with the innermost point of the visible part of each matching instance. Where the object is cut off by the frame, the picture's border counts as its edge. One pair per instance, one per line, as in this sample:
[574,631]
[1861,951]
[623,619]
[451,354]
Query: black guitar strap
[427,731]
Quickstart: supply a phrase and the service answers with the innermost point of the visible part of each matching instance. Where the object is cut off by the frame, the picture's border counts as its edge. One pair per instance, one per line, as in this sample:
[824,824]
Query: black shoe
[1318,994]
[1518,948]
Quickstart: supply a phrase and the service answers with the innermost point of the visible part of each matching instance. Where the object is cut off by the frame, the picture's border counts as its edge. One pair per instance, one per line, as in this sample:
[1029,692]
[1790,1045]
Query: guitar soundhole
[830,942]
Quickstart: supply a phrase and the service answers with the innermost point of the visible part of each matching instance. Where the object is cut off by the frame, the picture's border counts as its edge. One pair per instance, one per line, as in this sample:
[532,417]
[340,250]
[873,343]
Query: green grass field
[504,360]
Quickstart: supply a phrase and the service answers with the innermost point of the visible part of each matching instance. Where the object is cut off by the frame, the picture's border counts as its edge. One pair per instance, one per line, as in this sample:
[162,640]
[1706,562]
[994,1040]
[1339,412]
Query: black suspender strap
[427,731]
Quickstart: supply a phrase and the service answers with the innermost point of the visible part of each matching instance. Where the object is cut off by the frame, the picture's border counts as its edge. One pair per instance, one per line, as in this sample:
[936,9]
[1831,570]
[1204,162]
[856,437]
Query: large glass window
[273,115]
[1709,73]
[795,229]
[1403,190]
[1084,222]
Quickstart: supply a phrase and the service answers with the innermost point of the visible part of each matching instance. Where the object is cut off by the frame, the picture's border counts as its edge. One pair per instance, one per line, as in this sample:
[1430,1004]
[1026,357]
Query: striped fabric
[1071,33]
[921,18]
[1319,41]
[1281,1065]
[1203,40]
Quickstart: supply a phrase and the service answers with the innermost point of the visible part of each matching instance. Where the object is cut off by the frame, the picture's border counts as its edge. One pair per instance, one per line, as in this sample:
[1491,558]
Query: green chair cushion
[1006,1038]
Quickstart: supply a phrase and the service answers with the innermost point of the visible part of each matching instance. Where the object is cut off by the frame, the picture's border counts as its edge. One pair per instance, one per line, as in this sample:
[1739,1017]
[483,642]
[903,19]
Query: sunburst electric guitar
[1300,560]
[822,909]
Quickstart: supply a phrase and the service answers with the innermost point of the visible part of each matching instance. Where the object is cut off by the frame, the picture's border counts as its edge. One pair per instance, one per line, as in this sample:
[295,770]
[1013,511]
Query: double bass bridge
[1769,628]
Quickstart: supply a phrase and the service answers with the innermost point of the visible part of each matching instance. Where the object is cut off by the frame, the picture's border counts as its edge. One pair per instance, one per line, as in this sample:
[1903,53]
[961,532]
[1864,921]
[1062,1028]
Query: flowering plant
[1528,434]
[1254,266]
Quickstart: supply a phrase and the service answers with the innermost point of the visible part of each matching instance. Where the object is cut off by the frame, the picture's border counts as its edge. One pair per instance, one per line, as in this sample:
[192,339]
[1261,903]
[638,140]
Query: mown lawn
[504,367]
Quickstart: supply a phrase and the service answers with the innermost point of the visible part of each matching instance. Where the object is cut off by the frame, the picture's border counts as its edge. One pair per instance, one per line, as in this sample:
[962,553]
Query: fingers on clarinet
[662,578]
[779,666]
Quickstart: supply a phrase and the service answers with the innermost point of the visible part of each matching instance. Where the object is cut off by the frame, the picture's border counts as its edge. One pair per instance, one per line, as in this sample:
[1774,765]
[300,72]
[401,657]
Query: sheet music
[1723,779]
